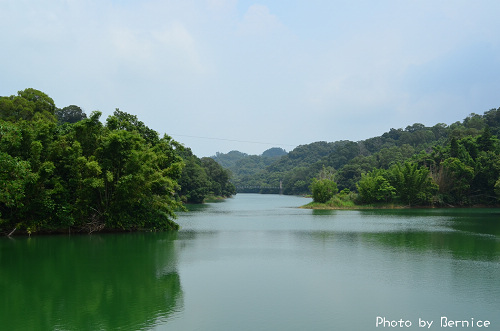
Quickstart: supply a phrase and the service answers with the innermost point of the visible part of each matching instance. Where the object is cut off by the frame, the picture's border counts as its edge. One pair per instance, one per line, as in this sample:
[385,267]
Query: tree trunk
[11,232]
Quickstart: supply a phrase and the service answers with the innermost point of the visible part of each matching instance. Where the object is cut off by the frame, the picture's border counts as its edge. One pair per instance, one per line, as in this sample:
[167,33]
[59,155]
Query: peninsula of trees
[61,171]
[442,165]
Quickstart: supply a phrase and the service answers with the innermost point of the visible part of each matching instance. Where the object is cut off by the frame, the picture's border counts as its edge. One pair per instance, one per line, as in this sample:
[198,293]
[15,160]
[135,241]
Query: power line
[234,140]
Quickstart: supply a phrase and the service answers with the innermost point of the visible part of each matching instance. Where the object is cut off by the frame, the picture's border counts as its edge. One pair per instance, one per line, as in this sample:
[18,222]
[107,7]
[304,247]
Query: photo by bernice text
[442,322]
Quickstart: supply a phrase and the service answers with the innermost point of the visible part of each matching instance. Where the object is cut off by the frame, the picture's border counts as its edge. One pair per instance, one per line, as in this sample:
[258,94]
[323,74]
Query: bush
[374,187]
[323,189]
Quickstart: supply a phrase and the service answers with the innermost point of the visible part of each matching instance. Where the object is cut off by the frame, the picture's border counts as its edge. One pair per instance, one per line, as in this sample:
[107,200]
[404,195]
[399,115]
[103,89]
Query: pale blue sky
[277,72]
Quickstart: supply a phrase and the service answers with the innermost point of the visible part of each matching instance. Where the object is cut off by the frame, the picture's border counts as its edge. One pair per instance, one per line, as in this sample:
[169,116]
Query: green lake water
[257,262]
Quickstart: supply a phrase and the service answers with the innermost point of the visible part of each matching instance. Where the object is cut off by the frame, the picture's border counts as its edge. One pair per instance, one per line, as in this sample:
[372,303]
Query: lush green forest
[63,171]
[443,165]
[249,171]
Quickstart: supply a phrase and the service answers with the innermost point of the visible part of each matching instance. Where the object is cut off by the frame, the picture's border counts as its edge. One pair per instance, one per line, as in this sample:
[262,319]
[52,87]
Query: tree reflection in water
[107,282]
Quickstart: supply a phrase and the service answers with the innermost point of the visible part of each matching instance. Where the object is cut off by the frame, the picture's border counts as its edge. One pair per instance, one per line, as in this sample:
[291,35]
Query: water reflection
[463,233]
[457,244]
[323,212]
[270,266]
[451,272]
[107,282]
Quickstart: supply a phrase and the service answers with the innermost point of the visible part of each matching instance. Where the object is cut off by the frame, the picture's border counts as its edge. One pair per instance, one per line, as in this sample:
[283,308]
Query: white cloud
[221,6]
[178,39]
[128,44]
[259,21]
[165,49]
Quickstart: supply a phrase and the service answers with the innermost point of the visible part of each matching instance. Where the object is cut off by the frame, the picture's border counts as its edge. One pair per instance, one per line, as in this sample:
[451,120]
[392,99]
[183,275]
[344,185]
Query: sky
[223,75]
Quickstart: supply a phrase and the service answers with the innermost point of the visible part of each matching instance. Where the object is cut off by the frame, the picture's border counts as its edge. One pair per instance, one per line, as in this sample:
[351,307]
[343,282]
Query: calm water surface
[256,262]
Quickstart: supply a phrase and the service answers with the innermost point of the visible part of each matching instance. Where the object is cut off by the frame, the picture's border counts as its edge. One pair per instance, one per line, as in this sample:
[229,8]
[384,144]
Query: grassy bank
[332,205]
[350,201]
[215,198]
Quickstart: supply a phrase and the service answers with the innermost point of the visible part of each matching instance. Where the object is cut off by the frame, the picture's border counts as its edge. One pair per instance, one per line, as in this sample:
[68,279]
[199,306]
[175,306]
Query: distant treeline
[63,171]
[457,164]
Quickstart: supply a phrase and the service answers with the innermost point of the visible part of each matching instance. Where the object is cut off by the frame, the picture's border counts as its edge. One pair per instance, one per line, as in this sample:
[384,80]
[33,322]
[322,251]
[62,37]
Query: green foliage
[229,160]
[15,175]
[486,171]
[86,176]
[274,152]
[342,200]
[323,189]
[219,178]
[70,114]
[248,172]
[202,178]
[26,105]
[413,184]
[345,191]
[127,122]
[453,179]
[497,188]
[350,159]
[466,169]
[350,174]
[374,187]
[194,181]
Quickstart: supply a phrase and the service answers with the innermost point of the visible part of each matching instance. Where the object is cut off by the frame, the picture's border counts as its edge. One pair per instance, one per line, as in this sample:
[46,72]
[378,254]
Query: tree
[297,180]
[15,174]
[26,104]
[89,133]
[497,188]
[486,173]
[194,182]
[43,103]
[323,189]
[486,141]
[453,178]
[454,147]
[70,114]
[475,121]
[274,152]
[84,176]
[218,177]
[413,183]
[374,187]
[124,121]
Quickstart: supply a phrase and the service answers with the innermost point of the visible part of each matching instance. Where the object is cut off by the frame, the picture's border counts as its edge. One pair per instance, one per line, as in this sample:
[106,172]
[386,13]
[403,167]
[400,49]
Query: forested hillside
[462,160]
[62,171]
[246,169]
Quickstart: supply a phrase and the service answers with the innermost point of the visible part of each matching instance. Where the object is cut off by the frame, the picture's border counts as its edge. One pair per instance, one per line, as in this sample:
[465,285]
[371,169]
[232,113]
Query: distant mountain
[245,168]
[230,159]
[274,152]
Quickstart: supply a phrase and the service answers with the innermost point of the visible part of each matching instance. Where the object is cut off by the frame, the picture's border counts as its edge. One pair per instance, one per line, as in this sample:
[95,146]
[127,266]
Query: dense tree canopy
[202,178]
[323,189]
[70,114]
[73,173]
[374,187]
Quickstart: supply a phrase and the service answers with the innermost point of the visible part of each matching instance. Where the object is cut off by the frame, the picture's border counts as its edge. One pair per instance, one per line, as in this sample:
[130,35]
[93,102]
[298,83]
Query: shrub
[323,189]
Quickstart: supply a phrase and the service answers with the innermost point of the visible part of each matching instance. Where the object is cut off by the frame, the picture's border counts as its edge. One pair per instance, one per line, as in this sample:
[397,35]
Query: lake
[257,262]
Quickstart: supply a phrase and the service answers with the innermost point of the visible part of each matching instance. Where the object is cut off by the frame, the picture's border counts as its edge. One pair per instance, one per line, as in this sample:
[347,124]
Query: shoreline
[364,207]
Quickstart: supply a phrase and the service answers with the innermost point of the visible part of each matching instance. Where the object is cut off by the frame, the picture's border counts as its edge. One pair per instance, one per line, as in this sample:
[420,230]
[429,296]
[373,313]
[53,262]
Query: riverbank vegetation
[63,171]
[443,165]
[462,172]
